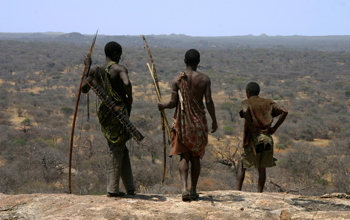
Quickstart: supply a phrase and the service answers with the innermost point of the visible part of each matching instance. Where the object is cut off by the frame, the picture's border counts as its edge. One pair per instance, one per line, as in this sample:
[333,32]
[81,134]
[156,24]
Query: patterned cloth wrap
[111,128]
[190,123]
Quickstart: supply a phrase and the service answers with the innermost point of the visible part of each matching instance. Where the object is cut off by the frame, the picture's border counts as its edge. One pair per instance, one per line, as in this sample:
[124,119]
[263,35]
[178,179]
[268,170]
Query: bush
[21,142]
[26,121]
[228,130]
[67,111]
[347,94]
[281,146]
[323,182]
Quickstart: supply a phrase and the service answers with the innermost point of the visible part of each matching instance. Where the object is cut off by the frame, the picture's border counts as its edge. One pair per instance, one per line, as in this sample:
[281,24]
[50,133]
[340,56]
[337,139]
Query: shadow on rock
[314,205]
[155,198]
[226,198]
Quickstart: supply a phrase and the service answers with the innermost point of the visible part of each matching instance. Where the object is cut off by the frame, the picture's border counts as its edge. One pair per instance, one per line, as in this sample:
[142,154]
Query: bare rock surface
[211,205]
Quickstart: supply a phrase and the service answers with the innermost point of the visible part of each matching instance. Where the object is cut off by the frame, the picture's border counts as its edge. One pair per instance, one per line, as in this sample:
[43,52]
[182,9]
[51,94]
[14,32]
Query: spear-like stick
[75,115]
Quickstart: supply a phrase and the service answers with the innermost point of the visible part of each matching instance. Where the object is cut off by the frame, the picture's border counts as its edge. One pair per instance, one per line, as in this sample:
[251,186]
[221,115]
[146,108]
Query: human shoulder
[201,80]
[245,103]
[258,99]
[269,101]
[117,68]
[93,70]
[244,107]
[203,76]
[265,100]
[272,105]
[176,80]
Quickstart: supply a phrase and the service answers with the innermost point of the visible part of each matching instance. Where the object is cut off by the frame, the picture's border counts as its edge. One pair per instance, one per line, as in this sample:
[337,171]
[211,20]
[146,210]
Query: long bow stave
[75,114]
[163,115]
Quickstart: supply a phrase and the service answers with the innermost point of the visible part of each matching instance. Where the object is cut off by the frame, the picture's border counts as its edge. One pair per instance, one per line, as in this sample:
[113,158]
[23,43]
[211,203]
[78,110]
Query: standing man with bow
[189,134]
[114,79]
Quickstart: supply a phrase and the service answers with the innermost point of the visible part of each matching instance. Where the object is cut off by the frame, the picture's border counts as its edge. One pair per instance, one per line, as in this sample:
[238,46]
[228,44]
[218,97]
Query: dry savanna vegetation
[38,91]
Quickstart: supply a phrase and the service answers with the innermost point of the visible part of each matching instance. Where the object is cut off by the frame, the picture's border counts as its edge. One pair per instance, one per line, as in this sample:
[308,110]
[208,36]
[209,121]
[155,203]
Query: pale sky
[189,17]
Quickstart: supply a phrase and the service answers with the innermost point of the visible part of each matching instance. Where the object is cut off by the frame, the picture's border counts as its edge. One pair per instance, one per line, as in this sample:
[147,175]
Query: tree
[231,108]
[227,156]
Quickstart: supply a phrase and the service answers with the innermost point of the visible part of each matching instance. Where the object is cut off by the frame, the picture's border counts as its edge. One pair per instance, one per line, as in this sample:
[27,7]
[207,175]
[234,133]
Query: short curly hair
[253,88]
[192,57]
[112,47]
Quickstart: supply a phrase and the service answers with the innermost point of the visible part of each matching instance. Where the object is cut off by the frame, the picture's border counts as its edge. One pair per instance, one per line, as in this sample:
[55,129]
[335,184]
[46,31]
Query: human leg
[116,156]
[262,179]
[195,172]
[240,176]
[126,173]
[183,169]
[266,159]
[248,160]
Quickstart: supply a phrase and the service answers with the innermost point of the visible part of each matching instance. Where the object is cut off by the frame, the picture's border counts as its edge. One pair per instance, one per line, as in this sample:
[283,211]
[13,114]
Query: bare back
[118,74]
[116,79]
[198,84]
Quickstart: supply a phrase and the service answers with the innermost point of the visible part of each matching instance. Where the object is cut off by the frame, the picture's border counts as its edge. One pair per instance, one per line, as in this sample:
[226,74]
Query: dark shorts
[263,144]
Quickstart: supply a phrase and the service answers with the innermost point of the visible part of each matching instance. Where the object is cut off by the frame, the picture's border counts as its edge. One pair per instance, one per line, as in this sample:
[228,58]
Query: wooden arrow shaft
[159,100]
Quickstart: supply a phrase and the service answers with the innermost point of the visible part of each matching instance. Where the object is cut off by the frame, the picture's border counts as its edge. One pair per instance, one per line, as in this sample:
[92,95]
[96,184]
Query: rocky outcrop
[211,205]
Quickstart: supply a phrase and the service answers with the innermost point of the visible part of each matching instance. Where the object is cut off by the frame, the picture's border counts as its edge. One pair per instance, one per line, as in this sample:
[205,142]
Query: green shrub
[228,130]
[281,146]
[20,142]
[56,77]
[347,94]
[323,182]
[26,121]
[67,111]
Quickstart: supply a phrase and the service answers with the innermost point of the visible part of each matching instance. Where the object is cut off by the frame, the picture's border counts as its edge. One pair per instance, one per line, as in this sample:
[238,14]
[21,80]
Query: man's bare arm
[281,119]
[174,96]
[85,87]
[210,106]
[123,74]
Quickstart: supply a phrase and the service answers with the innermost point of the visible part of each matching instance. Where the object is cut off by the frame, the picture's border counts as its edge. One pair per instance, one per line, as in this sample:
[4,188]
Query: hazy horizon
[132,35]
[195,18]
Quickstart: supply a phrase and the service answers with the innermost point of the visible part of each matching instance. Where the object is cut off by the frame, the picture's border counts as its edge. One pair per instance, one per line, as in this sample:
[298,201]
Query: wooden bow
[163,115]
[75,114]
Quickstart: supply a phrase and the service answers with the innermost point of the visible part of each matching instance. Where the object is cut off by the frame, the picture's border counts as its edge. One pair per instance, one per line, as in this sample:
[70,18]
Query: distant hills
[321,43]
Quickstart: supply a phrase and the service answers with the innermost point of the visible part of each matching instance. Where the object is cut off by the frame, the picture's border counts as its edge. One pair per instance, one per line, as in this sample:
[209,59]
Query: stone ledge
[211,205]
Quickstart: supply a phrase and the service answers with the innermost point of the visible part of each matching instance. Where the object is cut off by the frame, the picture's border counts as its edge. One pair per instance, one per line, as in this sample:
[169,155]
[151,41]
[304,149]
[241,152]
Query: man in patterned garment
[189,127]
[257,141]
[114,79]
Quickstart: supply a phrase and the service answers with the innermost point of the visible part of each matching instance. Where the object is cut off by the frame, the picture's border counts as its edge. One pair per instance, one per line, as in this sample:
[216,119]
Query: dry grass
[2,162]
